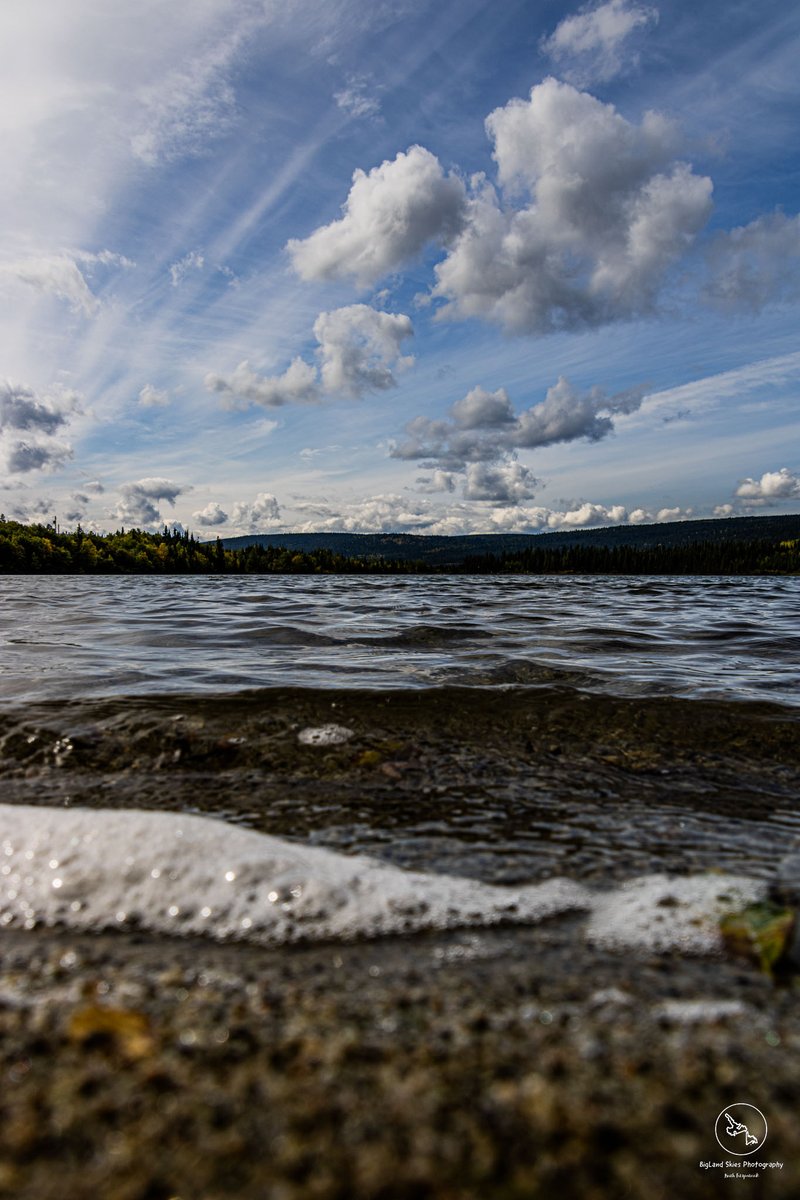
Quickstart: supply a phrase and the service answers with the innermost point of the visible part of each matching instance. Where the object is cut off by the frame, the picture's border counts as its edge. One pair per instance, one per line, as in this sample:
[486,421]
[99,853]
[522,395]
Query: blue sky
[439,267]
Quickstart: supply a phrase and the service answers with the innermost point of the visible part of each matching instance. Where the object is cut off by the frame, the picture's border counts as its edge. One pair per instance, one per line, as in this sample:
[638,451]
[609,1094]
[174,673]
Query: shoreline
[508,1063]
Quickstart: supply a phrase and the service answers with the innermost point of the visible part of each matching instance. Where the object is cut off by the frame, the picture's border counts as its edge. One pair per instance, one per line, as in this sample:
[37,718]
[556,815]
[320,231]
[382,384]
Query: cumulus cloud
[771,488]
[27,425]
[150,397]
[609,212]
[138,503]
[297,385]
[193,261]
[22,409]
[212,514]
[63,275]
[480,409]
[33,510]
[437,481]
[593,44]
[756,264]
[373,514]
[32,455]
[500,483]
[392,513]
[588,514]
[483,427]
[360,349]
[263,512]
[390,214]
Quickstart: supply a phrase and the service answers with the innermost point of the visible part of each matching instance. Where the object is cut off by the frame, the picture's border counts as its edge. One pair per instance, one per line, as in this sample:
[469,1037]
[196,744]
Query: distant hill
[449,551]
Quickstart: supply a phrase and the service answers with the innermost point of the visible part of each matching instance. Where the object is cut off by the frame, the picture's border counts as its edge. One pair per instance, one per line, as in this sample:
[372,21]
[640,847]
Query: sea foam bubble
[96,869]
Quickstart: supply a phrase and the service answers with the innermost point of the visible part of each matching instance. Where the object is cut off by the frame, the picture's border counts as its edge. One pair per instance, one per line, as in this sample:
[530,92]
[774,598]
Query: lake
[72,637]
[511,730]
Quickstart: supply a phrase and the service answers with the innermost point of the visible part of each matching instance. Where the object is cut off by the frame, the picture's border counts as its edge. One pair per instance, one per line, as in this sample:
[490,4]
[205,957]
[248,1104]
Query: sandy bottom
[510,1063]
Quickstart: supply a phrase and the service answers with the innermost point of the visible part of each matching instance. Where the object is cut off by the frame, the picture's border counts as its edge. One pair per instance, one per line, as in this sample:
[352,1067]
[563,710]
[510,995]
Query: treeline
[42,549]
[753,557]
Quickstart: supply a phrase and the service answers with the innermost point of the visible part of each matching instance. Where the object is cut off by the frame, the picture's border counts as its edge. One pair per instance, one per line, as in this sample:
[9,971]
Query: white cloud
[591,45]
[588,515]
[263,512]
[63,275]
[387,513]
[610,211]
[21,409]
[360,349]
[643,516]
[34,510]
[567,414]
[212,514]
[34,454]
[501,483]
[389,216]
[772,487]
[297,385]
[189,107]
[358,98]
[483,427]
[193,261]
[480,409]
[756,264]
[437,481]
[138,505]
[373,514]
[150,397]
[707,392]
[27,425]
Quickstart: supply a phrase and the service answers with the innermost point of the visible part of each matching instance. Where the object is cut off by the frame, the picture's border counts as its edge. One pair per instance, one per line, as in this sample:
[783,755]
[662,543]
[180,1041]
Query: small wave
[429,636]
[91,870]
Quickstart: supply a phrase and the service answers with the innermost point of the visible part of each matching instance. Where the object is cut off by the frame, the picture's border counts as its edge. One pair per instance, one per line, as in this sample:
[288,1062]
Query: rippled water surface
[509,729]
[68,637]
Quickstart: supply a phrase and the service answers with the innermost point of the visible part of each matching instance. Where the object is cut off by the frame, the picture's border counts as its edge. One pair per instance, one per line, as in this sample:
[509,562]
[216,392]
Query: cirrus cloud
[592,44]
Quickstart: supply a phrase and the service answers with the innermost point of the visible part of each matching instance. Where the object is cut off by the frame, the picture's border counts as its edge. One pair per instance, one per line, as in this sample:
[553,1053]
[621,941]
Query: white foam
[89,870]
[663,912]
[94,869]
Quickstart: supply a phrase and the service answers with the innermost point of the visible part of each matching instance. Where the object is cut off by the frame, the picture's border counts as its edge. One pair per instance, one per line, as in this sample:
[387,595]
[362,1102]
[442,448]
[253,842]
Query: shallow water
[508,730]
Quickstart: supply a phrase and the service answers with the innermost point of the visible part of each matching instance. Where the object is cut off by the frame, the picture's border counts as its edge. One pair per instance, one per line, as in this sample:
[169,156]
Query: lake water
[75,637]
[556,733]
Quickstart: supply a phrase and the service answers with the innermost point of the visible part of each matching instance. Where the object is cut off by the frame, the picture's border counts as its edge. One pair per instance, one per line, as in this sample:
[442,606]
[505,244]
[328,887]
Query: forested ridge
[43,549]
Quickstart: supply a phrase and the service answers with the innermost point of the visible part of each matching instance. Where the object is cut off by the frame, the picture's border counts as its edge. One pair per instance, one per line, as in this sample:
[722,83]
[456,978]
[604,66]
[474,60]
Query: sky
[431,266]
